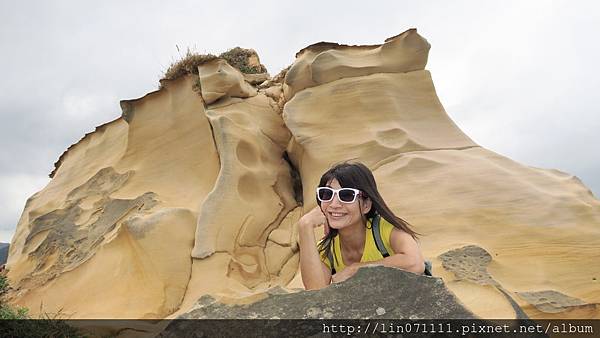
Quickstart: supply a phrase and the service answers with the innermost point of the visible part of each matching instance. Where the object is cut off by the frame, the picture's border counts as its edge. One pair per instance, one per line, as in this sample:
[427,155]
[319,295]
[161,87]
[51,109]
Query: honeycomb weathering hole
[246,154]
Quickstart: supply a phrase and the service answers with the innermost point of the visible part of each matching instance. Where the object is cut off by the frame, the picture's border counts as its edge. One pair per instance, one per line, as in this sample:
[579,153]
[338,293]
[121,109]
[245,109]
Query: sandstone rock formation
[195,194]
[218,79]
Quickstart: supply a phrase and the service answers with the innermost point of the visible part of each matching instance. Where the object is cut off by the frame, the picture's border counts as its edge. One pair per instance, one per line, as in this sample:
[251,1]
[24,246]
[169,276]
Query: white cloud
[79,105]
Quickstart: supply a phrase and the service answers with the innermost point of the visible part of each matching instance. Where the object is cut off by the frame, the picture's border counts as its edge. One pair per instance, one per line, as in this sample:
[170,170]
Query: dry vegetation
[188,64]
[238,58]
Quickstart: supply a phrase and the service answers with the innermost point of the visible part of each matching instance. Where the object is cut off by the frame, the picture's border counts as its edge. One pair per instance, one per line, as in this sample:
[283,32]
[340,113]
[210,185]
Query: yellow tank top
[370,252]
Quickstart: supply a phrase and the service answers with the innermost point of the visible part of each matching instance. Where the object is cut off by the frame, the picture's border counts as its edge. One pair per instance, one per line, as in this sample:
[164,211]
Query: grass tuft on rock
[188,64]
[238,58]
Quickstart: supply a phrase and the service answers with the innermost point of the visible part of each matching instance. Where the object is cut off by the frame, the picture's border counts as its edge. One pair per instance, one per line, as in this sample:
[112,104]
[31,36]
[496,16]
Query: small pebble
[380,311]
[313,312]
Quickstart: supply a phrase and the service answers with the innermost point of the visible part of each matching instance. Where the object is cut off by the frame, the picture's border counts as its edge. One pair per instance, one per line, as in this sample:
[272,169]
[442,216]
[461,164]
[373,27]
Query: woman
[349,206]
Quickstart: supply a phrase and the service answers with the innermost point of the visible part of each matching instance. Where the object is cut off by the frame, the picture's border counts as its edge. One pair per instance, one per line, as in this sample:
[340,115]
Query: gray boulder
[373,292]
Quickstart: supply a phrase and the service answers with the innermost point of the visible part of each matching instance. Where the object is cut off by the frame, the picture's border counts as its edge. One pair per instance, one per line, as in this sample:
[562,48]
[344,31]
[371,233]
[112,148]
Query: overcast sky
[521,78]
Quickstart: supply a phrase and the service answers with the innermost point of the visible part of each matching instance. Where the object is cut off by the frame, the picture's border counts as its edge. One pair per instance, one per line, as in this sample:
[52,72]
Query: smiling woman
[360,230]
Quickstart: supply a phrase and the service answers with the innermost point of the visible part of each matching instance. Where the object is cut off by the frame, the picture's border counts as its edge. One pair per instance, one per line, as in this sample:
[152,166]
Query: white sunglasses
[345,195]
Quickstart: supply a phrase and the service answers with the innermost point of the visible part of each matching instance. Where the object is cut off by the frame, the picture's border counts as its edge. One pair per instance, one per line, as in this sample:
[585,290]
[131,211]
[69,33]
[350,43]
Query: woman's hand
[315,274]
[348,272]
[314,218]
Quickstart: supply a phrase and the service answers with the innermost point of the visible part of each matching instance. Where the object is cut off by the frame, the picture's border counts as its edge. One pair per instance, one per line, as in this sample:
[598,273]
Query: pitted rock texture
[469,263]
[551,301]
[256,182]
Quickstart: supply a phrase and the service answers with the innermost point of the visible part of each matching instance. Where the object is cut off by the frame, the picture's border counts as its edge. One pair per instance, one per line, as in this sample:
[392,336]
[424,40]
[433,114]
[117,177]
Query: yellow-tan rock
[117,221]
[325,62]
[218,79]
[253,192]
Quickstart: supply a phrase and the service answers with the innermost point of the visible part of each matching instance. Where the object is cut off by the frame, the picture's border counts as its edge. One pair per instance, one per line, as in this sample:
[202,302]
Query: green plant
[238,58]
[9,312]
[3,285]
[16,321]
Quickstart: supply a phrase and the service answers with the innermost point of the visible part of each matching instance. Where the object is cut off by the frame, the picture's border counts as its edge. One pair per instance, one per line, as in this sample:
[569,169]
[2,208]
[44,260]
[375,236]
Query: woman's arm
[315,274]
[408,254]
[407,257]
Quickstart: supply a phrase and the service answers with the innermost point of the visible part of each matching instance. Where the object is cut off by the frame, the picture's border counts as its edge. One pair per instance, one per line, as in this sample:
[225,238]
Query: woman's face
[341,215]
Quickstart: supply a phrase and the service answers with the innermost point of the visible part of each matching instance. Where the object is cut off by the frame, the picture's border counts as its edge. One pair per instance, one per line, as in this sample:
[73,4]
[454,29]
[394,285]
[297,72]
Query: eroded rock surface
[469,263]
[551,301]
[326,62]
[63,239]
[111,234]
[252,195]
[218,79]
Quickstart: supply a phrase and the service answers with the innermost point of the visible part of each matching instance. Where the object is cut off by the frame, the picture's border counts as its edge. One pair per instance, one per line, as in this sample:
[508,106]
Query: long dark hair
[357,175]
